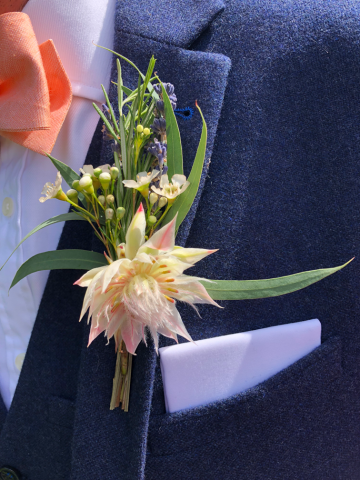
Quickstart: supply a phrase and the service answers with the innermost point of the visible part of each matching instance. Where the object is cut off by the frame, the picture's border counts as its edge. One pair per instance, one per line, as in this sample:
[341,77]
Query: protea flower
[138,292]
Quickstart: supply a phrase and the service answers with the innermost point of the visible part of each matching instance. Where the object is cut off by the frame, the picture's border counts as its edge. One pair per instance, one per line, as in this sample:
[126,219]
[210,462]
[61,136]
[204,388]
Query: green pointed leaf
[174,148]
[107,123]
[184,201]
[68,175]
[126,90]
[58,218]
[150,87]
[112,114]
[271,287]
[60,260]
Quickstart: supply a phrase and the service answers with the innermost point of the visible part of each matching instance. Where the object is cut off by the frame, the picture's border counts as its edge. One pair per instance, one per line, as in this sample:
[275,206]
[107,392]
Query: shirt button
[19,360]
[8,207]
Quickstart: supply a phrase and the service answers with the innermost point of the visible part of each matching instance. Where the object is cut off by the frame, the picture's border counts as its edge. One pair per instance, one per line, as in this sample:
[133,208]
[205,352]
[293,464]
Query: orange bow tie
[35,92]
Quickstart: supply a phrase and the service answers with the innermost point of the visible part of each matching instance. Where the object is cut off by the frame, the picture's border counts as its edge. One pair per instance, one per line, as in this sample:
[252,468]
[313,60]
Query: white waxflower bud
[97,172]
[114,172]
[162,202]
[151,220]
[139,128]
[109,214]
[120,212]
[102,200]
[86,184]
[105,179]
[72,195]
[153,198]
[75,185]
[146,131]
[110,199]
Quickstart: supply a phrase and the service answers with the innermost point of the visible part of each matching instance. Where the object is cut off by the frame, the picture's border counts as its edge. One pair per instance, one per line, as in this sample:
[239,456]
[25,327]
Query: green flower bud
[102,200]
[110,199]
[120,212]
[75,185]
[139,128]
[97,172]
[114,172]
[72,195]
[86,184]
[153,198]
[109,214]
[151,220]
[162,202]
[105,179]
[147,131]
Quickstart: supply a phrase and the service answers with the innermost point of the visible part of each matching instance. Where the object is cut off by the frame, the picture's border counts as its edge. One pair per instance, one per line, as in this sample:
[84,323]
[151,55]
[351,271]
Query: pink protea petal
[89,295]
[94,333]
[111,271]
[193,292]
[191,255]
[135,235]
[131,334]
[119,317]
[86,279]
[176,324]
[163,240]
[167,333]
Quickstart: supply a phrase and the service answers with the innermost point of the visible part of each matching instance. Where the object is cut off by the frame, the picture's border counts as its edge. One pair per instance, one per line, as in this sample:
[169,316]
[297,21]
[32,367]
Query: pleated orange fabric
[12,5]
[35,91]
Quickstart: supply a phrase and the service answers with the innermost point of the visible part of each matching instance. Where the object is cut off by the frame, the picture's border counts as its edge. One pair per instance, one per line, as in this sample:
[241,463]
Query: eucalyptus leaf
[58,218]
[174,148]
[184,201]
[60,260]
[271,287]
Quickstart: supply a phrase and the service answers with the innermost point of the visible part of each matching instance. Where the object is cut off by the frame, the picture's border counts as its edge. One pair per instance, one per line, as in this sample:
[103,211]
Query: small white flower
[172,189]
[90,169]
[53,191]
[143,181]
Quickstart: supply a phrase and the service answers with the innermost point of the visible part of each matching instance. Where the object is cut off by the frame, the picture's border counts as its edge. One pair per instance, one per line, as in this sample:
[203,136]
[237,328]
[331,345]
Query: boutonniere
[136,207]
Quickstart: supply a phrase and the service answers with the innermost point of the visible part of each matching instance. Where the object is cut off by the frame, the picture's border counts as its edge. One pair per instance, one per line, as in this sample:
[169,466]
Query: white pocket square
[213,369]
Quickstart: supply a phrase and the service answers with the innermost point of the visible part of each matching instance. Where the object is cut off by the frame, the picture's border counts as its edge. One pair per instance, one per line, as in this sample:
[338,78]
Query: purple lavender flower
[158,149]
[170,89]
[159,126]
[160,106]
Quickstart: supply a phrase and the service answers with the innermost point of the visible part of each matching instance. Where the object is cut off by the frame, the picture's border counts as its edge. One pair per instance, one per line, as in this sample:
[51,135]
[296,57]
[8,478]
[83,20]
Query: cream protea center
[138,292]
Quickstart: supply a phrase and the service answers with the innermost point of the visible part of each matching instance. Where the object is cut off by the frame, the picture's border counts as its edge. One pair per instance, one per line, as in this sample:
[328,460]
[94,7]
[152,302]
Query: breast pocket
[277,421]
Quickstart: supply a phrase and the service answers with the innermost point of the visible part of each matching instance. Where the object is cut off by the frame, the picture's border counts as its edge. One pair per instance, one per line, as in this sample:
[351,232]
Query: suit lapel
[112,444]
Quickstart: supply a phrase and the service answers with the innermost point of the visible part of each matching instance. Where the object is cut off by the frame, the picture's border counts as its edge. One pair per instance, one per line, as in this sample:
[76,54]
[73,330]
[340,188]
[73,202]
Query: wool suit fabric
[278,82]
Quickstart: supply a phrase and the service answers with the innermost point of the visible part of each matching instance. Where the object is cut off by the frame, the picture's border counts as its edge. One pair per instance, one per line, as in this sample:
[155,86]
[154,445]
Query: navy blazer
[278,82]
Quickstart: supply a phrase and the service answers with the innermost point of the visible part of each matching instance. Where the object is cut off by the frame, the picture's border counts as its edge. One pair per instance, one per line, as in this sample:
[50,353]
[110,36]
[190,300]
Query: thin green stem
[82,209]
[162,216]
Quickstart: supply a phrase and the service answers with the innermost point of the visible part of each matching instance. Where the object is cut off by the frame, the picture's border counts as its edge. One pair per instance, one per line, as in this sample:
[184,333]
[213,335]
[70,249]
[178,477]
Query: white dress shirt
[74,27]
